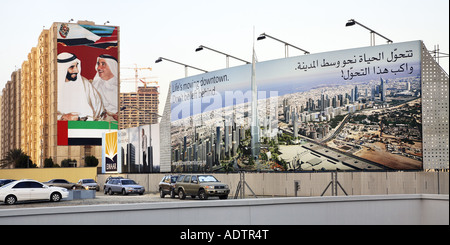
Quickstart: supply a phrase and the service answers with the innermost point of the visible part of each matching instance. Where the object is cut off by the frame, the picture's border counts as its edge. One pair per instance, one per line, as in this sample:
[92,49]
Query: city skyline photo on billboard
[354,109]
[138,150]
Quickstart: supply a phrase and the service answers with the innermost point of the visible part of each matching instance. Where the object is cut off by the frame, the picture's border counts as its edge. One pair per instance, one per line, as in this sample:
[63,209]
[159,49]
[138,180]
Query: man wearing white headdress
[77,98]
[106,83]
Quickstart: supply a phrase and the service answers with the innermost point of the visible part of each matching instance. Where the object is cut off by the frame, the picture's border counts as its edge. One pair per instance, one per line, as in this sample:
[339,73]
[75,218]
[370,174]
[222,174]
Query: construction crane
[145,82]
[142,80]
[136,73]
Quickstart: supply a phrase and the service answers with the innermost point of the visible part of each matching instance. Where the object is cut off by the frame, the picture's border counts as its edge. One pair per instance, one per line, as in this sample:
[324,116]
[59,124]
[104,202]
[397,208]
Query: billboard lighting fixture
[286,45]
[185,66]
[201,47]
[352,22]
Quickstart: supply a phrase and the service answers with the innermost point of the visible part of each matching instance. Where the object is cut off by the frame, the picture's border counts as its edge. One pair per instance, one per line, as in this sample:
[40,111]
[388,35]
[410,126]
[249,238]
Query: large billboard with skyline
[87,82]
[355,109]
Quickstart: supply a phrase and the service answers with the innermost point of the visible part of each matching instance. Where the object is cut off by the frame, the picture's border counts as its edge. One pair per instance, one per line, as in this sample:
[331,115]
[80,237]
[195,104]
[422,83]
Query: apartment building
[139,108]
[29,112]
[10,115]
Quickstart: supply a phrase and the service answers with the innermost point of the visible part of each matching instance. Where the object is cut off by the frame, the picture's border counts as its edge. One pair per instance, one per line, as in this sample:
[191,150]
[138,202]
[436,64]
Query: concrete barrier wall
[273,184]
[313,184]
[340,210]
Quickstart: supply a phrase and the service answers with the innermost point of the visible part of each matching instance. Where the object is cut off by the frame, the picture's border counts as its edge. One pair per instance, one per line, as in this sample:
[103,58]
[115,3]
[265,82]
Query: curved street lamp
[201,47]
[352,22]
[185,66]
[286,53]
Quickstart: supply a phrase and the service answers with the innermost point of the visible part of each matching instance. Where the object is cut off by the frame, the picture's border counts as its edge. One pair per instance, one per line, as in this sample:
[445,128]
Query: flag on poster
[83,132]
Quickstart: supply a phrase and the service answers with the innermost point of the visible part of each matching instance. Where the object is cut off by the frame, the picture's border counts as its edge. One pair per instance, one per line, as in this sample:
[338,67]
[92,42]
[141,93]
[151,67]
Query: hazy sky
[174,29]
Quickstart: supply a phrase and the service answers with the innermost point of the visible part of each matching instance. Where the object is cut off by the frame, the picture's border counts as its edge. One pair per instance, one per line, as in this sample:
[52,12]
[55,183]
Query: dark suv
[201,185]
[166,186]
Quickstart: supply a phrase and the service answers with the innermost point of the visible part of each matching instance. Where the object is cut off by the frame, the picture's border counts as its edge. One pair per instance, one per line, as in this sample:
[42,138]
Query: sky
[174,29]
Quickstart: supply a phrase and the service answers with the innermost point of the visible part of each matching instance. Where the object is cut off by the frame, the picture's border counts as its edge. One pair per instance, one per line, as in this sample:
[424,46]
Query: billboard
[137,150]
[110,154]
[87,81]
[355,109]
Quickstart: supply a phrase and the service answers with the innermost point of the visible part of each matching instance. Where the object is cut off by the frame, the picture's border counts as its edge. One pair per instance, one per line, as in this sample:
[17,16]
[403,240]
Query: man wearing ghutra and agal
[105,81]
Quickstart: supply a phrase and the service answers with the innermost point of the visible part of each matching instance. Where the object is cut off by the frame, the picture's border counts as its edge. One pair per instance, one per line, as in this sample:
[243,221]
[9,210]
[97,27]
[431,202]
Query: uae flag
[83,132]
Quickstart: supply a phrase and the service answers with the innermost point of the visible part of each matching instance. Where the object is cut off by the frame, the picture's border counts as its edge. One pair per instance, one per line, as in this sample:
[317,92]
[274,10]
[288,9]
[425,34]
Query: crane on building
[136,75]
[142,80]
[147,82]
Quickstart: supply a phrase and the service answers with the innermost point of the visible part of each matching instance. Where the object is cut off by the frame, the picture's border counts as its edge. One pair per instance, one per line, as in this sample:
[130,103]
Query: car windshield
[128,182]
[88,181]
[10,183]
[207,178]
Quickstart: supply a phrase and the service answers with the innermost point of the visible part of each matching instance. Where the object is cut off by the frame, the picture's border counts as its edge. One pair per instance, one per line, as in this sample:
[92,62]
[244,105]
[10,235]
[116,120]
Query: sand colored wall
[46,174]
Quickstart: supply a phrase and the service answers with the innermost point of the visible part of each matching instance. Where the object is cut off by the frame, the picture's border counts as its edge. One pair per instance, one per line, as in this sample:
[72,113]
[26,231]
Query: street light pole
[286,45]
[185,66]
[352,22]
[201,47]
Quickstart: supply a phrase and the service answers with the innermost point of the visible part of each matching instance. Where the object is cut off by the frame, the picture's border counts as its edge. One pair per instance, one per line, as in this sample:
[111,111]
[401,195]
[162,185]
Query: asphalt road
[100,199]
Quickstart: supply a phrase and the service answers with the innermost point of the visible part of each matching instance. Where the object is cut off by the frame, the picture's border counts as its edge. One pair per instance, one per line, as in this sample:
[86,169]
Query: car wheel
[55,197]
[124,192]
[110,192]
[202,195]
[161,193]
[223,197]
[10,200]
[172,193]
[181,194]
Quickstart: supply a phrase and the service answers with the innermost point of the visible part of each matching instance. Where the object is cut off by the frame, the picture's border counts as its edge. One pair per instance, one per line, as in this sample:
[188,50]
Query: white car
[26,190]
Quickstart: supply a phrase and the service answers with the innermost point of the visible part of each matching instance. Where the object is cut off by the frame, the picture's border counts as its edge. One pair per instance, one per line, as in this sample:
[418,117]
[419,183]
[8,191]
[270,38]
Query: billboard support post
[334,184]
[240,189]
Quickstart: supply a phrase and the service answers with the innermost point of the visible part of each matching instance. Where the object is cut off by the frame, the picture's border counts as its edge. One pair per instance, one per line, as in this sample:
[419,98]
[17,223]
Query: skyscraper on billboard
[254,123]
[383,90]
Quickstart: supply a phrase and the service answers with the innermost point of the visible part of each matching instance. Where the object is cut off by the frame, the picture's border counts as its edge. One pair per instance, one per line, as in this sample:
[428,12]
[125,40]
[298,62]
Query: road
[100,199]
[338,129]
